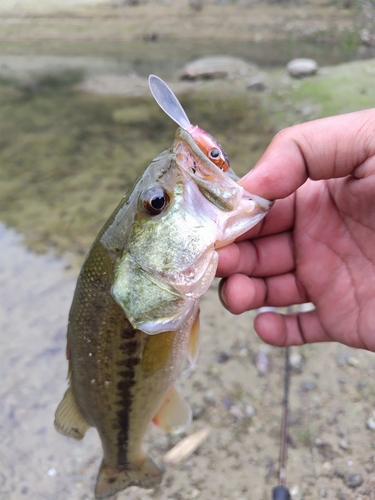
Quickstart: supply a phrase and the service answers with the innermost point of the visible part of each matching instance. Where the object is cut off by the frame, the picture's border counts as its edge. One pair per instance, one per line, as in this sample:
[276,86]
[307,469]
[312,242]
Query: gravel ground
[236,391]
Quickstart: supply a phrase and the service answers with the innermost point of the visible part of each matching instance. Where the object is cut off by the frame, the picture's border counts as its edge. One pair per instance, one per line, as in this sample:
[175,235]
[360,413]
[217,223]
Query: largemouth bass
[134,316]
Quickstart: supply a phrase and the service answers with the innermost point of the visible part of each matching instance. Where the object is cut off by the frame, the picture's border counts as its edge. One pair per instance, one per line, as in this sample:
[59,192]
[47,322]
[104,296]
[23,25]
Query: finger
[322,149]
[239,293]
[294,329]
[268,256]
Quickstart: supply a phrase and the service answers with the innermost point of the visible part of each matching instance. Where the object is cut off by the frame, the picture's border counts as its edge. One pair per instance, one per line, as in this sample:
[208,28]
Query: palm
[334,238]
[318,242]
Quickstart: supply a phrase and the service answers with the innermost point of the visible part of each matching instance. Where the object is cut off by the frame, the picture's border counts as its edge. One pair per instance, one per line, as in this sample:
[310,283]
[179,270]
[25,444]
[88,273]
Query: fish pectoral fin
[193,349]
[175,414]
[68,418]
[194,343]
[145,474]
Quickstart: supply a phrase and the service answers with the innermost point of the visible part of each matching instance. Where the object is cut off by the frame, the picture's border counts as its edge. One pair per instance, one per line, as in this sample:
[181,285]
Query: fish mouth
[221,188]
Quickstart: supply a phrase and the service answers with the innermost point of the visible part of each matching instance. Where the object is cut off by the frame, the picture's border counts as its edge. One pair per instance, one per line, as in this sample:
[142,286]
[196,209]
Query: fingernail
[222,296]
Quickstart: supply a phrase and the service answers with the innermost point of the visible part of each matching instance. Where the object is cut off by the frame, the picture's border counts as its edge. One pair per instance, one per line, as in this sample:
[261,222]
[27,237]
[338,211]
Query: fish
[134,319]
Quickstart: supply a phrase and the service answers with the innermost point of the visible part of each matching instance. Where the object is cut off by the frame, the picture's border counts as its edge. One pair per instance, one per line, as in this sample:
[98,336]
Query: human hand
[317,244]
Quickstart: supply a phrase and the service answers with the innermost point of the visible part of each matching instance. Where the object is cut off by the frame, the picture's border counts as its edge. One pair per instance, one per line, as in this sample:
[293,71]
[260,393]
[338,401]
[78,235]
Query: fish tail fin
[68,418]
[111,480]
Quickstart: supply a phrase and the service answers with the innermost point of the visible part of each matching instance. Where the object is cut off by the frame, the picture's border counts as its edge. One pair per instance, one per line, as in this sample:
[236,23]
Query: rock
[361,384]
[344,445]
[210,68]
[353,480]
[352,361]
[236,412]
[262,361]
[300,68]
[371,424]
[198,412]
[222,357]
[295,493]
[256,83]
[296,362]
[151,37]
[342,359]
[209,398]
[342,496]
[249,411]
[308,386]
[339,472]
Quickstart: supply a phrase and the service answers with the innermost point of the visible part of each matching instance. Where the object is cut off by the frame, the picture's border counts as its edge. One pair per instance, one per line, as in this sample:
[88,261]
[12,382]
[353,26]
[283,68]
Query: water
[165,57]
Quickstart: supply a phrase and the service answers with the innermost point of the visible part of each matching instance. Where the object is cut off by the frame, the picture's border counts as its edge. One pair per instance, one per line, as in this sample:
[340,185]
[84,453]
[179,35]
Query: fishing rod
[280,492]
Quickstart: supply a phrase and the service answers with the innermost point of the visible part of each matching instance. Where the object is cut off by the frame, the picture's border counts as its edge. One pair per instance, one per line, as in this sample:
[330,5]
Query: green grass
[335,90]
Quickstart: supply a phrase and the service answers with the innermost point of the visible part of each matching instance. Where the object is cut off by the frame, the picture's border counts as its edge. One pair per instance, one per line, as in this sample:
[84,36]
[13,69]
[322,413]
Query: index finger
[321,149]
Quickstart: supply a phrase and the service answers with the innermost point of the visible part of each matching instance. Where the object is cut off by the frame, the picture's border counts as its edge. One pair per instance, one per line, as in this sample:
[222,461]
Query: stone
[262,361]
[256,83]
[308,386]
[296,362]
[300,68]
[249,411]
[352,361]
[353,480]
[339,472]
[236,412]
[344,445]
[216,67]
[222,357]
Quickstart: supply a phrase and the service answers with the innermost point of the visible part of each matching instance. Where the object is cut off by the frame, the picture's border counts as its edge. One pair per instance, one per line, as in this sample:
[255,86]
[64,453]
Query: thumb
[321,149]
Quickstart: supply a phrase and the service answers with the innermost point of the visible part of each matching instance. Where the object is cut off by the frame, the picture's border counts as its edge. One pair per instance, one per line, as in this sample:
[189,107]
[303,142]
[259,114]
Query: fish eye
[214,153]
[154,201]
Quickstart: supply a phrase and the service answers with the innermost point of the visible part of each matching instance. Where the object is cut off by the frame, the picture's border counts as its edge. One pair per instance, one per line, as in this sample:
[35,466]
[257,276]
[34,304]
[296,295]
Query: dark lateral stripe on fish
[128,345]
[128,332]
[129,349]
[128,363]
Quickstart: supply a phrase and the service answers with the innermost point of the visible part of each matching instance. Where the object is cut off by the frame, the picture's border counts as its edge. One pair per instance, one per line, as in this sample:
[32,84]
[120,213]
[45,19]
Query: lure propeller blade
[168,102]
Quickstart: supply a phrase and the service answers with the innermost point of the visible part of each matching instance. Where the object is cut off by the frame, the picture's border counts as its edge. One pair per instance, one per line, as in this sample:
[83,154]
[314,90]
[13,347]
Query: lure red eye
[210,147]
[214,154]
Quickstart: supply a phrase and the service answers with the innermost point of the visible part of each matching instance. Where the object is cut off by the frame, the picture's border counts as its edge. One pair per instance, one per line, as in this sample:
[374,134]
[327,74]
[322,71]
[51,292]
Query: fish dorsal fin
[175,414]
[68,418]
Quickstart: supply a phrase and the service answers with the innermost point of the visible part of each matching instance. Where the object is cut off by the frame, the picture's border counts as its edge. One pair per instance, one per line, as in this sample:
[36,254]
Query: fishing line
[280,492]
